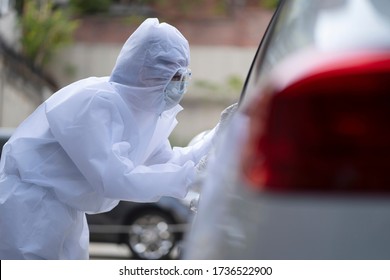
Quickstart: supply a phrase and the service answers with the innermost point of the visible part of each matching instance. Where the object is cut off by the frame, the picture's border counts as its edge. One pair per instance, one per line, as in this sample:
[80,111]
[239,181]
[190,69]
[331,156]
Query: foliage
[235,83]
[206,85]
[44,31]
[230,87]
[134,20]
[200,9]
[90,6]
[271,4]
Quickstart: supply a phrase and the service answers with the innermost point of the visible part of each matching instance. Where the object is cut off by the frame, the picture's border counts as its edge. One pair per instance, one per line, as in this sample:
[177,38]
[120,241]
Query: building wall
[19,96]
[21,92]
[8,24]
[22,88]
[208,63]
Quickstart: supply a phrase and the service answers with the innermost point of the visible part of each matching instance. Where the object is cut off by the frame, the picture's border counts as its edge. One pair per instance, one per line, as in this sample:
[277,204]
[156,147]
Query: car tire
[150,236]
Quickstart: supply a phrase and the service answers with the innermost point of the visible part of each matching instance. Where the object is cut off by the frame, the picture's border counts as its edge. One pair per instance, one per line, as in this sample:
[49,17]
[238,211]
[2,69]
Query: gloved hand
[226,114]
[228,111]
[200,167]
[223,121]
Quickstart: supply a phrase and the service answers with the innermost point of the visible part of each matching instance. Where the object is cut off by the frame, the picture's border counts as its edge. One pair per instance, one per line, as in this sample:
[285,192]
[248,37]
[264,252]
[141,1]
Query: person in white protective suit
[95,142]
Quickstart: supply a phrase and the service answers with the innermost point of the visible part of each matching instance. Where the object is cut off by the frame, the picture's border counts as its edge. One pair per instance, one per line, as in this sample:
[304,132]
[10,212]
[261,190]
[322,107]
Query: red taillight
[329,131]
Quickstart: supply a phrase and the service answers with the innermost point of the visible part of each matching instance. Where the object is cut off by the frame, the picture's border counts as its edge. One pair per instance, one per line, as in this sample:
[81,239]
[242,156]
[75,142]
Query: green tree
[271,4]
[90,6]
[44,30]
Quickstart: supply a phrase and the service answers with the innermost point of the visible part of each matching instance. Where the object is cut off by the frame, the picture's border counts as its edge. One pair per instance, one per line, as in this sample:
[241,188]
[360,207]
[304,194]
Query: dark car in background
[302,170]
[5,134]
[150,230]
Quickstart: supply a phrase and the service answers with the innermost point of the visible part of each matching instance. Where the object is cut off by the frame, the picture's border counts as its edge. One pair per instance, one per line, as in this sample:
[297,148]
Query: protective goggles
[183,76]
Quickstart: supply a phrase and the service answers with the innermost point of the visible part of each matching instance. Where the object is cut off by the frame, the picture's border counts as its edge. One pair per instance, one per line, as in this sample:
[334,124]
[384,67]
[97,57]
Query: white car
[302,170]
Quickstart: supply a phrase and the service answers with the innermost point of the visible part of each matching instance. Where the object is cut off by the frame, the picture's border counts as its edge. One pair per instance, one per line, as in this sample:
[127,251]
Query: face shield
[176,88]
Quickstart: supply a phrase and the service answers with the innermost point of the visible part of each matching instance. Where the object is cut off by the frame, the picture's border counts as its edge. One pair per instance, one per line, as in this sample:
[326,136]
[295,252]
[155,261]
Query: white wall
[8,28]
[214,64]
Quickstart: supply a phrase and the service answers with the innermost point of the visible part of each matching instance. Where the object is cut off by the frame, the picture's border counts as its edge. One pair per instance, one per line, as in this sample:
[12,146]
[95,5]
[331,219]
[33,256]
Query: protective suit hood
[147,62]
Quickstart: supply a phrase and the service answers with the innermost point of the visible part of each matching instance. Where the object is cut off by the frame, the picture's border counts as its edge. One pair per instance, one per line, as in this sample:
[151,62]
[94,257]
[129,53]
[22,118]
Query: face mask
[174,93]
[176,88]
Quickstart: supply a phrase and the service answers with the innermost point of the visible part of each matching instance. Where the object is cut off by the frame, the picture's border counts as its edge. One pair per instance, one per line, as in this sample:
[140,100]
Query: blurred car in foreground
[301,171]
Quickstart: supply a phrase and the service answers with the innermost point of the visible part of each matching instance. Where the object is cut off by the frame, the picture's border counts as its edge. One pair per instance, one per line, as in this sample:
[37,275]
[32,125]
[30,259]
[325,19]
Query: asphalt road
[108,251]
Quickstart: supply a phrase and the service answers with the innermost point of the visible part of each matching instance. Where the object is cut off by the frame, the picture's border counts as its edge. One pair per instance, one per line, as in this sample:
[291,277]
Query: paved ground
[108,251]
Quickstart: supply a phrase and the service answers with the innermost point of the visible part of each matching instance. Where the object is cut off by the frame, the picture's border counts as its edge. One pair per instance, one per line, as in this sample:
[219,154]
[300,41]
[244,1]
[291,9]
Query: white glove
[201,165]
[226,114]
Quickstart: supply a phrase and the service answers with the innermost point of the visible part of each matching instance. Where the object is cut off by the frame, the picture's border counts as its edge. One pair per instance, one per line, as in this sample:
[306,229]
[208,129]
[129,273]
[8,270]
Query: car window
[253,75]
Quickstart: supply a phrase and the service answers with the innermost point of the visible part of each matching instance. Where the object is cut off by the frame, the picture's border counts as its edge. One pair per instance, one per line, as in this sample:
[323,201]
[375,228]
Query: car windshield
[321,26]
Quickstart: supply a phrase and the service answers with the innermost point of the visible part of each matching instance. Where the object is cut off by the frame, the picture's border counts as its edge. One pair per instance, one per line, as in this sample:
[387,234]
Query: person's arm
[196,151]
[200,149]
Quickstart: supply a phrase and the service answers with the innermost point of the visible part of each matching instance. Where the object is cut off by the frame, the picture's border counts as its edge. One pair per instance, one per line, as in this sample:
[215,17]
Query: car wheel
[150,236]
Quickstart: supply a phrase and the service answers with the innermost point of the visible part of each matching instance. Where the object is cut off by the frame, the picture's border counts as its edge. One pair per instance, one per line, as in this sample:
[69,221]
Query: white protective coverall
[93,143]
